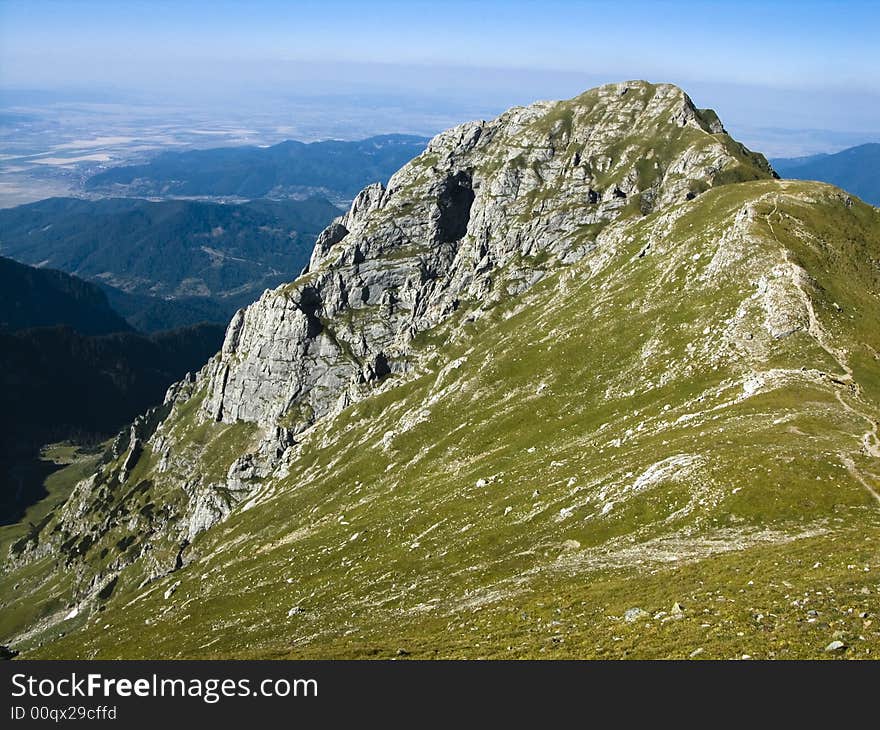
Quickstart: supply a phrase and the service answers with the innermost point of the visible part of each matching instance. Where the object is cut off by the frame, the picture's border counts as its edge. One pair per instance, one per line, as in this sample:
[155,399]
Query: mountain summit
[585,370]
[474,220]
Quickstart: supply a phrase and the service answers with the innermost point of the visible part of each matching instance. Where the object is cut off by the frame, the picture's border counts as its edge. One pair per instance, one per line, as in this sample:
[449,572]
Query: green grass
[561,407]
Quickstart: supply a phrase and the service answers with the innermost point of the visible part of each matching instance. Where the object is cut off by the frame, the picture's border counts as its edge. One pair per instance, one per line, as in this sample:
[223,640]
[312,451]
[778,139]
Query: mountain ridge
[556,283]
[33,297]
[626,191]
[174,249]
[334,168]
[853,169]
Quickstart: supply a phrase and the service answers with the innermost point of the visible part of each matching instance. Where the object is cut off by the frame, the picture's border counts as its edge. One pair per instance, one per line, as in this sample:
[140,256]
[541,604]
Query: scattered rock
[696,652]
[836,647]
[295,611]
[677,609]
[631,615]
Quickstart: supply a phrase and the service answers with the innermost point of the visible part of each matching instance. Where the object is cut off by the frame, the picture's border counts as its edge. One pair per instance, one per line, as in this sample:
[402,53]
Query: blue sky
[806,65]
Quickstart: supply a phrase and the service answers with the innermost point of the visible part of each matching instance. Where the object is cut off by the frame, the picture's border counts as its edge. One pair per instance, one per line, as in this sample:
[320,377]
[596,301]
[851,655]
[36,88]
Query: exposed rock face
[463,224]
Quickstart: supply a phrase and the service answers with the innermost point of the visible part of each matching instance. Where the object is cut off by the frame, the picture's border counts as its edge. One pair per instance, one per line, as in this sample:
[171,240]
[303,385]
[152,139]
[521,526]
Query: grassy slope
[623,467]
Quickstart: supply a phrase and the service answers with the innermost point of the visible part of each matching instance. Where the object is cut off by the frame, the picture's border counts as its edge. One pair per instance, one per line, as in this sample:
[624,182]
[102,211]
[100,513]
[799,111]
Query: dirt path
[851,467]
[870,440]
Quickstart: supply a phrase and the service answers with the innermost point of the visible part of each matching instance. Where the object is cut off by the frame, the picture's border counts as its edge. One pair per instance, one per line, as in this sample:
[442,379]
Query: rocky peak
[473,219]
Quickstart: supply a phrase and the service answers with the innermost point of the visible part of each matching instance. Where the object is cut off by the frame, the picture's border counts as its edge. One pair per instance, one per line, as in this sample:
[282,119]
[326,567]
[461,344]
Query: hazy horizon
[788,80]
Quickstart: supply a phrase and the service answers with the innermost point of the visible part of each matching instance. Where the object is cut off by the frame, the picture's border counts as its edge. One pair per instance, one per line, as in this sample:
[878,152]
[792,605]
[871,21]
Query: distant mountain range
[209,257]
[856,170]
[333,168]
